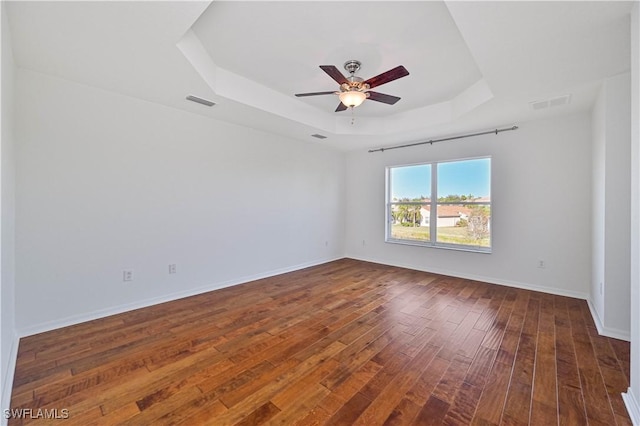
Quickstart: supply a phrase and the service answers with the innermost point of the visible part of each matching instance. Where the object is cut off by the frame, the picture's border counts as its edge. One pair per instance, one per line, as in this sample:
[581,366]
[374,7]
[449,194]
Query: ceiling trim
[229,85]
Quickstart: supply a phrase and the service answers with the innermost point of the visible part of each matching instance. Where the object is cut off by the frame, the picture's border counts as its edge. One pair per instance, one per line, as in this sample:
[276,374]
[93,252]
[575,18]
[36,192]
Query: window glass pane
[468,184]
[410,222]
[464,224]
[411,183]
[467,180]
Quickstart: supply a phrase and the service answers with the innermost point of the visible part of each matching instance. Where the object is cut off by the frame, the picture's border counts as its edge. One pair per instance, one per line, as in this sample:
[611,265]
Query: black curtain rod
[432,141]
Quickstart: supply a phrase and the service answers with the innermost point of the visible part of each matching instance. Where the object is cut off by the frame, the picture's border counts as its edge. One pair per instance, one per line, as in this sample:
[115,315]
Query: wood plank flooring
[345,343]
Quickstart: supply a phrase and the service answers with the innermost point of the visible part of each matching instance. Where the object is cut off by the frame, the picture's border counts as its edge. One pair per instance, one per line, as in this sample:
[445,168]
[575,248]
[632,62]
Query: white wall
[632,397]
[541,207]
[610,285]
[618,204]
[599,138]
[7,223]
[106,182]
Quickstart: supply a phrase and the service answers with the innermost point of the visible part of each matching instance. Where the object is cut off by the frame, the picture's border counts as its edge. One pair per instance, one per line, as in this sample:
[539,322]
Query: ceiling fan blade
[386,77]
[300,95]
[334,73]
[381,97]
[341,107]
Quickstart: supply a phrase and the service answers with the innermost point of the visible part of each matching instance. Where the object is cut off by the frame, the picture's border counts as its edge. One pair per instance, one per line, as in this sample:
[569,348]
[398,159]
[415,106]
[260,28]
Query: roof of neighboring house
[449,210]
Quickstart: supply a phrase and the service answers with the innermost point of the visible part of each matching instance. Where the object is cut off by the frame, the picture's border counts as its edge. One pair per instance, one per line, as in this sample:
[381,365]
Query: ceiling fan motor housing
[354,83]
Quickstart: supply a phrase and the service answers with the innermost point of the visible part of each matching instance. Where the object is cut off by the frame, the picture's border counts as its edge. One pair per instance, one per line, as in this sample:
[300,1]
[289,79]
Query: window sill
[456,247]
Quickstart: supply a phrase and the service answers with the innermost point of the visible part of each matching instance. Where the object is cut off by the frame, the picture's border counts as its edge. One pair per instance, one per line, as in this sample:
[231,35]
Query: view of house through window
[441,204]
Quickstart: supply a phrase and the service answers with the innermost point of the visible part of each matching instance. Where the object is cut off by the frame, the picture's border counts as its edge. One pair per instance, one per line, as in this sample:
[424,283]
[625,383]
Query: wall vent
[539,105]
[318,136]
[200,100]
[560,100]
[552,102]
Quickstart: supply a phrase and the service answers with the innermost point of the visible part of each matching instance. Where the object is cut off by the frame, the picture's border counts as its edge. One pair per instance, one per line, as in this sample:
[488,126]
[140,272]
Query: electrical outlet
[601,288]
[541,264]
[127,275]
[172,268]
[363,242]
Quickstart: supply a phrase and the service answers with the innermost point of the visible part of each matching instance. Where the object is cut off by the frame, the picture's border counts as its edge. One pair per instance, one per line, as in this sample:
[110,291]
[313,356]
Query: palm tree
[415,212]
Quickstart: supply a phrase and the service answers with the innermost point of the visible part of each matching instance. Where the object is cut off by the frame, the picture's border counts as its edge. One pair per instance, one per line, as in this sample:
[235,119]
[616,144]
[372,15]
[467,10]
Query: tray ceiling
[473,65]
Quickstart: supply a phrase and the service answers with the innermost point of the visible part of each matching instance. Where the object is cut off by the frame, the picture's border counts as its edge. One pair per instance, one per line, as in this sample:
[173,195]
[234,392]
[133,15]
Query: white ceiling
[286,48]
[473,65]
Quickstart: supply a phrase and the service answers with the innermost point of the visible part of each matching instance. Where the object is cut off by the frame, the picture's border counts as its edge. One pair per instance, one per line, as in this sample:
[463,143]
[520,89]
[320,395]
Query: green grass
[446,234]
[420,233]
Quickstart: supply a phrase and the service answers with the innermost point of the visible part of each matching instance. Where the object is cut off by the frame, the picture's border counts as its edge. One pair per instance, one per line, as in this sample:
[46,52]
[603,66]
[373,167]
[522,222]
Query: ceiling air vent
[200,100]
[539,105]
[560,100]
[552,102]
[318,136]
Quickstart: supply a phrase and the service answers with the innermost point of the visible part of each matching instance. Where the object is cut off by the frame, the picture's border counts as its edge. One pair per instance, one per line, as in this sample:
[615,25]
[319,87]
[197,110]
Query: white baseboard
[607,331]
[633,407]
[7,384]
[490,280]
[90,316]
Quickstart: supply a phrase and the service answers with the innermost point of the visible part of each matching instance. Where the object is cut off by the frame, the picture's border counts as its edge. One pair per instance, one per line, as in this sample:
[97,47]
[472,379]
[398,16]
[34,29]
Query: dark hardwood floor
[343,343]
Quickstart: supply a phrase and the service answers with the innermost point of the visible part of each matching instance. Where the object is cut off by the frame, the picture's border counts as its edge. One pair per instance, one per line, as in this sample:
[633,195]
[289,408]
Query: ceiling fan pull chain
[353,118]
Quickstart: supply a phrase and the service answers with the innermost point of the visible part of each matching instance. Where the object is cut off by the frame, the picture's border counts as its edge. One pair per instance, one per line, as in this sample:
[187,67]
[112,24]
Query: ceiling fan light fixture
[352,98]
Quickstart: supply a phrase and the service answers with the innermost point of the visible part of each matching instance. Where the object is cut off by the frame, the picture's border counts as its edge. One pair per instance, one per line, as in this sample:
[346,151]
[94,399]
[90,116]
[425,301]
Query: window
[441,204]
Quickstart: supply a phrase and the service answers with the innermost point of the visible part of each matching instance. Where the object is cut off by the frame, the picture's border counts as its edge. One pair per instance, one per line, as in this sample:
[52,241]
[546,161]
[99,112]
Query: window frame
[433,230]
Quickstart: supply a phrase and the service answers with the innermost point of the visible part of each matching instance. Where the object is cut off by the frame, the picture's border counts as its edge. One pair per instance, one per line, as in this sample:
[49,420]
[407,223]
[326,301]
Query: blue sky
[455,178]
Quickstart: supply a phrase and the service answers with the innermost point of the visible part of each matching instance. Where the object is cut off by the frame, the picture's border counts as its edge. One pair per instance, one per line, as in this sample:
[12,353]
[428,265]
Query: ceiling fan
[354,90]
